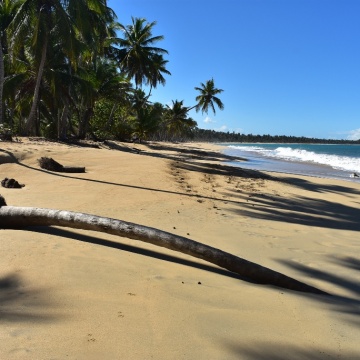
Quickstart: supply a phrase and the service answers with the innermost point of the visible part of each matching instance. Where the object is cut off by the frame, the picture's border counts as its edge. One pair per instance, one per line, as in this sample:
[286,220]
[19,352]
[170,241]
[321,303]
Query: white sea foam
[345,163]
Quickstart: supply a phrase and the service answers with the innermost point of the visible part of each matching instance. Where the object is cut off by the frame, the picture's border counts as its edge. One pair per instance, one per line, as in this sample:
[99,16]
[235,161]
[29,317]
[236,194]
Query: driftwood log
[52,165]
[11,184]
[12,217]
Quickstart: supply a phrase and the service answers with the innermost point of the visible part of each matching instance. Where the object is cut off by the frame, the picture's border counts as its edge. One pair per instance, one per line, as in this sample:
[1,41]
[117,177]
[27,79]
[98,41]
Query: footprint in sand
[20,351]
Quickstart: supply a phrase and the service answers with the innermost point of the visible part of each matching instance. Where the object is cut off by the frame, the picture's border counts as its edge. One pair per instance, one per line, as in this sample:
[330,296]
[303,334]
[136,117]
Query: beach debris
[52,165]
[14,217]
[2,201]
[11,184]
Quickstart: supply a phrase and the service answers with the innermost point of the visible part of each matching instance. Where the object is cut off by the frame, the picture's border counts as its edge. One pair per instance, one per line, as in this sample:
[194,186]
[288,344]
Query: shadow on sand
[350,304]
[19,303]
[270,351]
[64,233]
[301,210]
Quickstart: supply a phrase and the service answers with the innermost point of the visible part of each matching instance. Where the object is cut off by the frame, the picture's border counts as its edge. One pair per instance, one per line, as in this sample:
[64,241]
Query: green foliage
[208,98]
[111,121]
[140,59]
[5,132]
[145,123]
[221,136]
[67,73]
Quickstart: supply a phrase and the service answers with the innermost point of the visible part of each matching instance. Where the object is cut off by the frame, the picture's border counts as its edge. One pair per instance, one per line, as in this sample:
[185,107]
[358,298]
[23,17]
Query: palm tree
[42,23]
[157,68]
[146,122]
[96,25]
[138,56]
[37,23]
[139,99]
[207,97]
[8,9]
[13,217]
[177,118]
[102,82]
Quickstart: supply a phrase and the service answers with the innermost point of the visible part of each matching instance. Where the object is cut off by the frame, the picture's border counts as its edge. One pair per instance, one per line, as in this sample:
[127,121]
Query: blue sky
[287,67]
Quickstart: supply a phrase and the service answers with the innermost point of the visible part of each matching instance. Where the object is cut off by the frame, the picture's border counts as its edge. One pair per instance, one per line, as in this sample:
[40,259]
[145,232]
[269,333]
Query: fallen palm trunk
[12,217]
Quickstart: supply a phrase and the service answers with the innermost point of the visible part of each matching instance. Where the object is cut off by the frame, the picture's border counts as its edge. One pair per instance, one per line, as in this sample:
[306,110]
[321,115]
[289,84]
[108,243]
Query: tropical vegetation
[205,135]
[68,69]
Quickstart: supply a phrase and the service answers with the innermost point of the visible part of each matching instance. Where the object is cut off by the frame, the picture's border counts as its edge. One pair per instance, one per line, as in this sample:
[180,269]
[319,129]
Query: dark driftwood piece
[12,217]
[52,165]
[11,184]
[2,202]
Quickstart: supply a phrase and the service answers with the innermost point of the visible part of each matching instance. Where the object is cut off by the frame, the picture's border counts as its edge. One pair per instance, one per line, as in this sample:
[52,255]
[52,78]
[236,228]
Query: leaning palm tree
[208,97]
[137,51]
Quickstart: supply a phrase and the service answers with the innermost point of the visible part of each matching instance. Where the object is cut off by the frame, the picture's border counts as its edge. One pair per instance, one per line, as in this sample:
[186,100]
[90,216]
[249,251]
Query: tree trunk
[19,217]
[84,123]
[29,126]
[111,117]
[2,79]
[62,123]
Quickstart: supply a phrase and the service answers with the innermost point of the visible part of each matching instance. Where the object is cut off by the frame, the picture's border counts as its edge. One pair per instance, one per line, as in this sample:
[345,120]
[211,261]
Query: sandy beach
[76,294]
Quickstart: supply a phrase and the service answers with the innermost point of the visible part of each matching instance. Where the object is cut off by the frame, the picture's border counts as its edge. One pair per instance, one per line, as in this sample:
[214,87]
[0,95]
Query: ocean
[320,160]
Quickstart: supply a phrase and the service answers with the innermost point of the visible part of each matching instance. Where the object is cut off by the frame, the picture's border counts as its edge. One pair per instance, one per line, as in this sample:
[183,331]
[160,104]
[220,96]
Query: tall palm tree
[8,9]
[207,97]
[36,24]
[95,23]
[138,53]
[42,23]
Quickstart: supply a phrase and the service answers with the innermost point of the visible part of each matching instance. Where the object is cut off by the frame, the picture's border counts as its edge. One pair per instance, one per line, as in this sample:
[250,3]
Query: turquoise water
[321,160]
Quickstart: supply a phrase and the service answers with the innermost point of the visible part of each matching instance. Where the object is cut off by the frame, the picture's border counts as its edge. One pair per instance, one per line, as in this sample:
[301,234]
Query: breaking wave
[339,162]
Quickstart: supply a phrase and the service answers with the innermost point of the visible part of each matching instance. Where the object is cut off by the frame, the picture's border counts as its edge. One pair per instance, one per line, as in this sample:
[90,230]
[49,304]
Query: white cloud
[208,120]
[354,134]
[222,128]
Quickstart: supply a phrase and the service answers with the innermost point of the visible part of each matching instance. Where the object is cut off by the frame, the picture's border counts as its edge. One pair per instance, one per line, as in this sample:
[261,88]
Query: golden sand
[65,296]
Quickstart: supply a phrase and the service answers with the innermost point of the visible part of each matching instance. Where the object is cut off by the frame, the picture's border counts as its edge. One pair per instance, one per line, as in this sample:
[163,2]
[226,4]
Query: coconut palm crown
[139,58]
[207,97]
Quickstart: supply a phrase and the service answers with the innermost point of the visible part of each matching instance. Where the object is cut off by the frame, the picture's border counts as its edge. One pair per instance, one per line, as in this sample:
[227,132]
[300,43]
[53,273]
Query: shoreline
[63,294]
[292,166]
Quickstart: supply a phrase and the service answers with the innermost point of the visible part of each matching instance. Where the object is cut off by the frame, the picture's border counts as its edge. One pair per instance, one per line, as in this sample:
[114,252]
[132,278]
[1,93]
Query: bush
[5,133]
